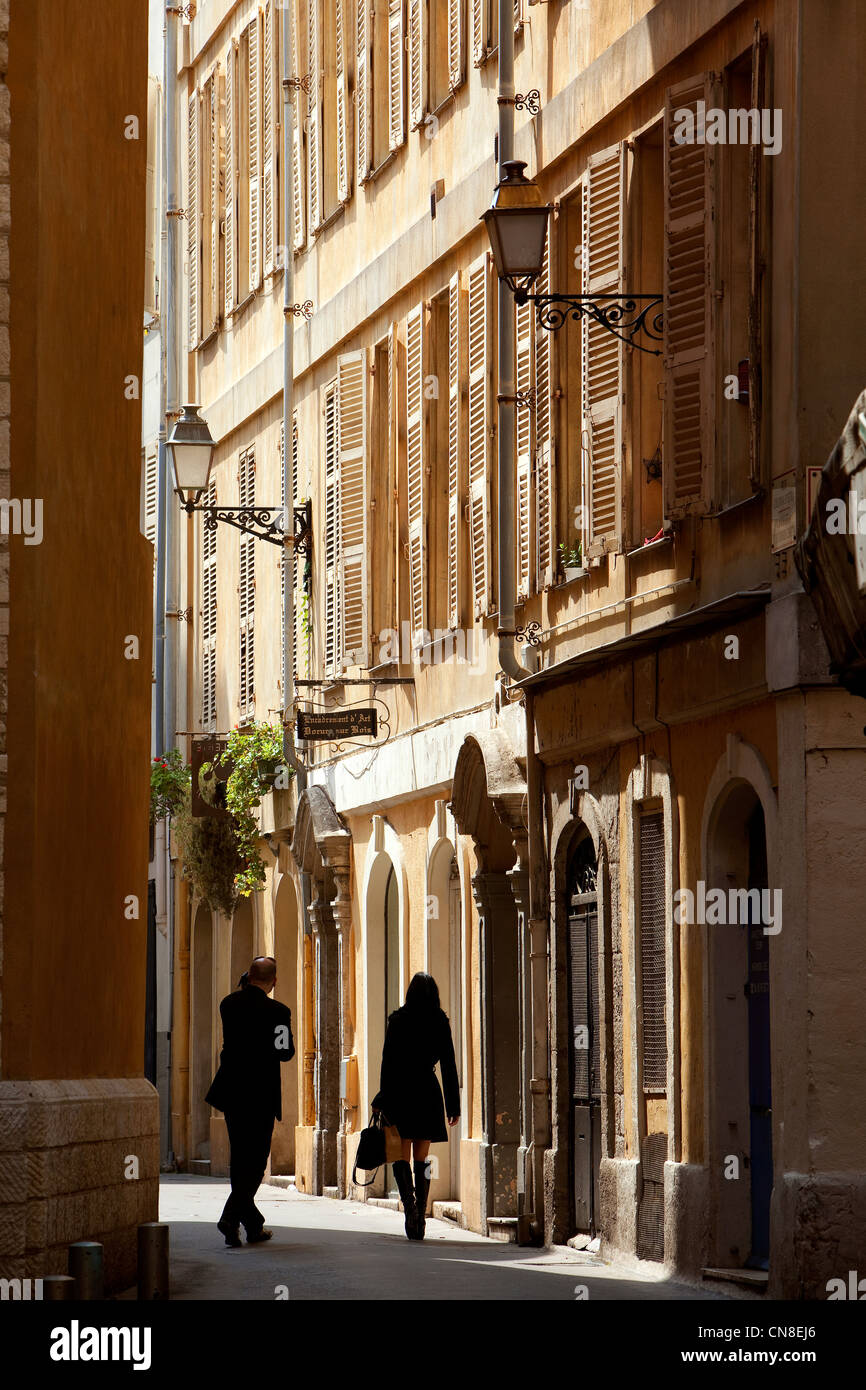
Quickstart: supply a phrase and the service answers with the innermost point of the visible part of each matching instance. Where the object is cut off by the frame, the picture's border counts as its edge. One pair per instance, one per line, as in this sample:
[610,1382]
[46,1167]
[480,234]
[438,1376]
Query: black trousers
[250,1134]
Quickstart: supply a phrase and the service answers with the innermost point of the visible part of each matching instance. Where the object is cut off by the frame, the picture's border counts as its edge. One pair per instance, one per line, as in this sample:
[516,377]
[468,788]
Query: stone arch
[444,956]
[384,855]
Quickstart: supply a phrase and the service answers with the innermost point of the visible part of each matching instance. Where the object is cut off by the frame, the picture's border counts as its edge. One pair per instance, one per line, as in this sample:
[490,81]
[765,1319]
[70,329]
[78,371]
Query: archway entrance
[584,1034]
[444,962]
[286,955]
[202,1058]
[740,1094]
[243,937]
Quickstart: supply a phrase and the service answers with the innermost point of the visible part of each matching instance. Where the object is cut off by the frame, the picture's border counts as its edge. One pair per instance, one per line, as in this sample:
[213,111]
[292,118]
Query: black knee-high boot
[403,1179]
[422,1189]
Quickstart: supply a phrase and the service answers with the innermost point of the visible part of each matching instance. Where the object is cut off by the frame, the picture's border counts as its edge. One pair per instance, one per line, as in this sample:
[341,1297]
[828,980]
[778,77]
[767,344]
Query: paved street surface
[324,1249]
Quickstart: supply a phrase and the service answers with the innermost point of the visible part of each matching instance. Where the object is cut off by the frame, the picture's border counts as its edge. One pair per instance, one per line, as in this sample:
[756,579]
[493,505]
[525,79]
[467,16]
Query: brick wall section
[4,435]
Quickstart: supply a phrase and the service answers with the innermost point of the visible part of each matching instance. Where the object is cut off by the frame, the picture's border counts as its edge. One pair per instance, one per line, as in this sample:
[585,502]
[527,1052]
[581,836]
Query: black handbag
[371,1149]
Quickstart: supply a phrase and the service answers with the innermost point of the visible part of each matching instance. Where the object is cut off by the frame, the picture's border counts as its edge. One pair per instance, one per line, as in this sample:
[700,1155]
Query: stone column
[342,915]
[327,1040]
[499,1043]
[519,879]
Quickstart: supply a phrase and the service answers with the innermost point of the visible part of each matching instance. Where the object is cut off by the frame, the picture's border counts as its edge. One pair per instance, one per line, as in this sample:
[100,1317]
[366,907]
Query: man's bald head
[263,972]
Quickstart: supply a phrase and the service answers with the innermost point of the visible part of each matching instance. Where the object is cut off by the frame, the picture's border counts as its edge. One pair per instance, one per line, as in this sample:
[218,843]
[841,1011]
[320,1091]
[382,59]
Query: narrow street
[324,1249]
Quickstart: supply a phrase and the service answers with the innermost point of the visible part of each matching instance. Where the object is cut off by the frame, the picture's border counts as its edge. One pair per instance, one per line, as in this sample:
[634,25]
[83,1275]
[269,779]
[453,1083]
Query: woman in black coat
[418,1036]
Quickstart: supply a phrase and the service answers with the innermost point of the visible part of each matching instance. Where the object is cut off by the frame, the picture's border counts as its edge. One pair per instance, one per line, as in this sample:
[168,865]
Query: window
[383,484]
[208,617]
[296,568]
[654,1049]
[544,436]
[417,498]
[417,50]
[346,570]
[480,337]
[444,422]
[456,451]
[364,99]
[150,494]
[645,232]
[247,588]
[230,180]
[247,154]
[203,211]
[270,159]
[314,114]
[299,183]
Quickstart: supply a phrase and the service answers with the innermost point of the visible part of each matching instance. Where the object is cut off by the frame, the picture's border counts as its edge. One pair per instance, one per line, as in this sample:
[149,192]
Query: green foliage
[209,850]
[250,750]
[169,782]
[571,555]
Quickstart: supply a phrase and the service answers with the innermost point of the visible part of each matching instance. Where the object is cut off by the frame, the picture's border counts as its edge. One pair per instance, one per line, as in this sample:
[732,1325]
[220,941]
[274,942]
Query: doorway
[584,1050]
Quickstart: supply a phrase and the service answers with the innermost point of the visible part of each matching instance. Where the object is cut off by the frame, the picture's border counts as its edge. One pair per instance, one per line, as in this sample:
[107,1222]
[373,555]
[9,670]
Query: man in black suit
[257,1036]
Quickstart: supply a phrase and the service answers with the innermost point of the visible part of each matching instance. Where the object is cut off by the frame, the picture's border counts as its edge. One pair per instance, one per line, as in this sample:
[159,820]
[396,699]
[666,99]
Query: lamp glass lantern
[192,448]
[517,226]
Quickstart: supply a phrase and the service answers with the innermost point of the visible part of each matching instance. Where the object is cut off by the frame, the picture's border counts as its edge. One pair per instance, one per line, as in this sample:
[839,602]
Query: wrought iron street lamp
[191,446]
[517,226]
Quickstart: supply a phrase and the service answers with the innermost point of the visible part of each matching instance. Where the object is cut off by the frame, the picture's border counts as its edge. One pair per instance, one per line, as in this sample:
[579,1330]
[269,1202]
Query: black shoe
[422,1190]
[258,1236]
[403,1179]
[231,1233]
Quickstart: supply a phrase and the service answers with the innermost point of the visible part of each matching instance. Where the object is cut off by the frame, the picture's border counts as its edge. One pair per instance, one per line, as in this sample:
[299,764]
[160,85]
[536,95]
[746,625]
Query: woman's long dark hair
[422,996]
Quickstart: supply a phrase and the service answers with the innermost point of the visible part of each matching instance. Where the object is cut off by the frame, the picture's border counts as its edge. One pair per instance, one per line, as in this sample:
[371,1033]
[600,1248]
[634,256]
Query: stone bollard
[86,1268]
[57,1287]
[153,1261]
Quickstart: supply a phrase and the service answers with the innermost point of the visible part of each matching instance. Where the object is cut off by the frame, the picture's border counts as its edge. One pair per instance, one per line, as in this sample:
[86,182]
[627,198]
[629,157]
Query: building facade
[621,864]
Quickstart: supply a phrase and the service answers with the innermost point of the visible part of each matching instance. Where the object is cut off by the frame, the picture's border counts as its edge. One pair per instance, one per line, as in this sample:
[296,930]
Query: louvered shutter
[270,208]
[255,154]
[314,115]
[479,434]
[602,351]
[208,617]
[247,586]
[396,114]
[299,186]
[524,326]
[229,286]
[193,244]
[364,88]
[417,14]
[212,230]
[654,1048]
[757,170]
[689,282]
[545,452]
[480,29]
[151,495]
[454,432]
[456,43]
[302,648]
[352,431]
[416,490]
[333,629]
[344,144]
[151,238]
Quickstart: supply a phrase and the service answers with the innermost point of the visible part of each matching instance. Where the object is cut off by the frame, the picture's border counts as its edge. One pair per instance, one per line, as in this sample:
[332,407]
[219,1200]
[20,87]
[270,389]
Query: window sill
[572,575]
[389,159]
[329,220]
[653,545]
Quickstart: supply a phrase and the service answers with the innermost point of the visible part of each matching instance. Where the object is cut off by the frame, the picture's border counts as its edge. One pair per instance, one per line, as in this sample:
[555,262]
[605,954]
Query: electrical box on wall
[349,1081]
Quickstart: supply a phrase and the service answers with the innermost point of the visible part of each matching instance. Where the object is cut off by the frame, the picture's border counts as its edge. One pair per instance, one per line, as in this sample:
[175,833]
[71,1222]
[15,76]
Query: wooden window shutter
[299,184]
[333,626]
[209,617]
[352,433]
[255,154]
[270,107]
[756,268]
[455,549]
[416,482]
[193,227]
[344,143]
[151,495]
[247,586]
[314,115]
[417,10]
[602,351]
[302,641]
[229,286]
[654,1049]
[212,230]
[479,434]
[396,102]
[545,451]
[456,43]
[364,89]
[524,332]
[689,281]
[480,30]
[153,198]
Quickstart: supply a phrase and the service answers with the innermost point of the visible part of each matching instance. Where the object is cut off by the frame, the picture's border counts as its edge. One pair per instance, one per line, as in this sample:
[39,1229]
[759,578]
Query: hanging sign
[337,724]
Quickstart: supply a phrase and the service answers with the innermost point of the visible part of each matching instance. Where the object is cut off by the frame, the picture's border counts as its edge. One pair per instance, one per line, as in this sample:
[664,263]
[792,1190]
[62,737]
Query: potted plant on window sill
[571,560]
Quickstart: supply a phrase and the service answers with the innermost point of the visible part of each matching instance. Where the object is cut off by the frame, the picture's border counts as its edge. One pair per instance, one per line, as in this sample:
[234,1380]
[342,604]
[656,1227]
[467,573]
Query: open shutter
[230,183]
[602,351]
[454,547]
[480,29]
[301,607]
[417,10]
[479,434]
[298,181]
[212,230]
[208,617]
[545,453]
[689,281]
[364,88]
[152,236]
[416,489]
[456,43]
[524,326]
[193,228]
[333,626]
[352,401]
[269,141]
[344,144]
[314,115]
[756,268]
[247,586]
[396,114]
[151,495]
[255,153]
